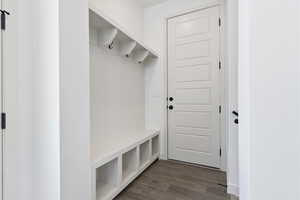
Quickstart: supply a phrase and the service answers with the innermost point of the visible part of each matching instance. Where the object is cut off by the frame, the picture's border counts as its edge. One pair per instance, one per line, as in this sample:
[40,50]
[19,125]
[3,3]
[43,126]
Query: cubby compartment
[144,153]
[129,164]
[155,145]
[106,179]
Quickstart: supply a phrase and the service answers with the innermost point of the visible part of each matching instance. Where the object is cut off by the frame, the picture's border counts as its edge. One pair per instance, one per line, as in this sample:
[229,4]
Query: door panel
[192,50]
[195,119]
[191,143]
[193,96]
[193,82]
[192,26]
[193,73]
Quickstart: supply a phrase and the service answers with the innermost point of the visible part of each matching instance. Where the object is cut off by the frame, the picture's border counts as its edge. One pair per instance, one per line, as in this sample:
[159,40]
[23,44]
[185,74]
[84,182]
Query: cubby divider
[155,145]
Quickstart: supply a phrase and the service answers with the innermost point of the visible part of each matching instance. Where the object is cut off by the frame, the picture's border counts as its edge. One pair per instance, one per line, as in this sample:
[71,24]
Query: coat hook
[111,45]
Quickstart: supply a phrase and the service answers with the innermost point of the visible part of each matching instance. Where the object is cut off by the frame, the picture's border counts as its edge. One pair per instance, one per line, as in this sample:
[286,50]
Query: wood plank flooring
[170,180]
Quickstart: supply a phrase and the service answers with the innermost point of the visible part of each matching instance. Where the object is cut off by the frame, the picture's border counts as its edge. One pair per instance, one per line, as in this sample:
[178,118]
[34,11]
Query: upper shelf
[131,45]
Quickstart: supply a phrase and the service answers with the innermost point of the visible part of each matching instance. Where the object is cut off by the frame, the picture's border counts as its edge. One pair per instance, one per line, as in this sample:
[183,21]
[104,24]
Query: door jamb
[223,75]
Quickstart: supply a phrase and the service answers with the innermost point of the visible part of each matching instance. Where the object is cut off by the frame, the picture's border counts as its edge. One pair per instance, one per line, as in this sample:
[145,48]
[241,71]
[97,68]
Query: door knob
[171,99]
[236,121]
[171,107]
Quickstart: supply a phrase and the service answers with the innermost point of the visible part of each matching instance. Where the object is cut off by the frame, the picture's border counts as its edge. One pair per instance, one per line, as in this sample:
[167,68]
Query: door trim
[223,75]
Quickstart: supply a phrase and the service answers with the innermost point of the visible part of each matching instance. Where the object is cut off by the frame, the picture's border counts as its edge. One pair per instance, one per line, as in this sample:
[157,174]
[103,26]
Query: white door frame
[244,67]
[1,111]
[224,74]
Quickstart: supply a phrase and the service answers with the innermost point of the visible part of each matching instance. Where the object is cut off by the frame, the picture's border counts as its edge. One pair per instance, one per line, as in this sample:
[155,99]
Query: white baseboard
[163,157]
[233,189]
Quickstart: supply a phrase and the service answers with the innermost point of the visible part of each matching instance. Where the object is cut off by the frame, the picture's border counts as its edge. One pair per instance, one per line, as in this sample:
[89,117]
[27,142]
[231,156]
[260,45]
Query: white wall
[129,14]
[117,90]
[270,84]
[74,100]
[46,133]
[155,36]
[60,102]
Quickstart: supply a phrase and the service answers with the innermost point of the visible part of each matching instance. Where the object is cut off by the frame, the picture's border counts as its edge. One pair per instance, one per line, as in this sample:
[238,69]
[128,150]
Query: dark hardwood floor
[170,180]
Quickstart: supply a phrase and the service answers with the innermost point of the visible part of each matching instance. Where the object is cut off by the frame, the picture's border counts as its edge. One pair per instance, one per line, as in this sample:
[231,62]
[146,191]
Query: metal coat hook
[111,45]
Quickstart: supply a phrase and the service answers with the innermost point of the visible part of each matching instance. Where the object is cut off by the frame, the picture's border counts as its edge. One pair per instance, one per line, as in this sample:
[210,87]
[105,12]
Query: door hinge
[4,13]
[220,152]
[220,65]
[220,109]
[3,121]
[220,21]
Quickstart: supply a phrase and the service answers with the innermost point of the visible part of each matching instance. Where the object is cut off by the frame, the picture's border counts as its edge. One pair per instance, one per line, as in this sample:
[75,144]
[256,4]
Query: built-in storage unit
[118,160]
[122,143]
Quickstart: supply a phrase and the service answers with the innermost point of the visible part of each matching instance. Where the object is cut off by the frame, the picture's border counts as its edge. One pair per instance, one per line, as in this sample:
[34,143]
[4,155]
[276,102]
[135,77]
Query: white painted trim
[164,63]
[224,131]
[200,7]
[244,68]
[224,90]
[233,189]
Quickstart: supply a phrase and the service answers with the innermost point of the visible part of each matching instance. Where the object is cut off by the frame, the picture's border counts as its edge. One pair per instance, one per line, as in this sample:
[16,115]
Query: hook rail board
[112,30]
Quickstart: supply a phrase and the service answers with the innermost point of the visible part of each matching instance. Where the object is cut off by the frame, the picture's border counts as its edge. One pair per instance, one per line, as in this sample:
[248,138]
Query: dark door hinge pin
[220,109]
[3,121]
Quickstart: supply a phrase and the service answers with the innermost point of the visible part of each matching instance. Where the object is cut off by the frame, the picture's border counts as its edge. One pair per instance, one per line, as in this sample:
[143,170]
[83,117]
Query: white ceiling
[147,3]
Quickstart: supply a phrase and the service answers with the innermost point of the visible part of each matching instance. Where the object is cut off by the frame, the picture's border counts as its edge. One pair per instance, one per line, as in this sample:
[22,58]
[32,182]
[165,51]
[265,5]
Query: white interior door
[194,85]
[10,144]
